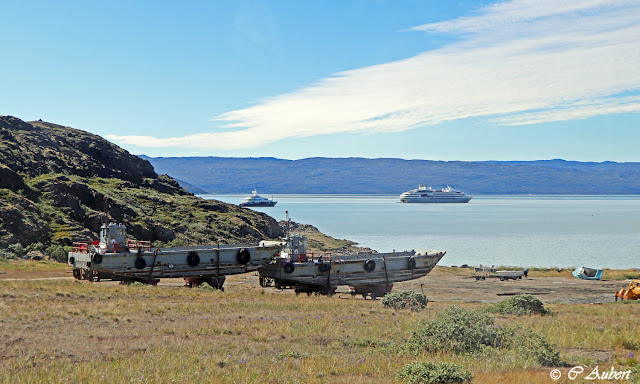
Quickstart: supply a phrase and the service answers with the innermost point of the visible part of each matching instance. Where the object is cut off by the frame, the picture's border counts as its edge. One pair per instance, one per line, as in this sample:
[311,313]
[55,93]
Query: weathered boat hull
[199,263]
[360,273]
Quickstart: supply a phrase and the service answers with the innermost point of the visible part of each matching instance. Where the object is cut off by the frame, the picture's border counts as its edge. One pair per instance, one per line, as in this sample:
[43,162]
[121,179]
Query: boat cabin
[112,238]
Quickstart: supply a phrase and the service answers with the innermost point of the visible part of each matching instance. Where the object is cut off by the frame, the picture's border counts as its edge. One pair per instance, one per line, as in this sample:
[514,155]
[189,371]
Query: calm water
[544,231]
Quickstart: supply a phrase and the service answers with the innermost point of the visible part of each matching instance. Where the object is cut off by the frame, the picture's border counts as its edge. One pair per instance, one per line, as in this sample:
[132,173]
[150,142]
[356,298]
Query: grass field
[69,331]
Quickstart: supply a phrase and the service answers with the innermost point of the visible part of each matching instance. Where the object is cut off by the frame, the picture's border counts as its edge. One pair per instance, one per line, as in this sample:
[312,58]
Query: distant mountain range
[394,176]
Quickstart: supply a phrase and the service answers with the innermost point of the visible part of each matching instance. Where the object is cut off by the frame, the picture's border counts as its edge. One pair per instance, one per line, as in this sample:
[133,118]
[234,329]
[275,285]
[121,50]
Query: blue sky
[473,80]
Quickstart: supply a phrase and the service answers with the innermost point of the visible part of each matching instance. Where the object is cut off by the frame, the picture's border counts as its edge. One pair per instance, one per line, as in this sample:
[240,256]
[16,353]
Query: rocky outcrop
[40,148]
[21,220]
[9,179]
[58,185]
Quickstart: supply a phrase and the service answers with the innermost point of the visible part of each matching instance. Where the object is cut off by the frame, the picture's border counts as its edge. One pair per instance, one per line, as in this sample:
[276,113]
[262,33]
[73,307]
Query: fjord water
[527,231]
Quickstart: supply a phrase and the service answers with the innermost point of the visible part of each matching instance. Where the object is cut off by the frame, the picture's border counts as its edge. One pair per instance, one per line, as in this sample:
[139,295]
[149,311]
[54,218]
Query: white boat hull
[465,199]
[374,270]
[197,262]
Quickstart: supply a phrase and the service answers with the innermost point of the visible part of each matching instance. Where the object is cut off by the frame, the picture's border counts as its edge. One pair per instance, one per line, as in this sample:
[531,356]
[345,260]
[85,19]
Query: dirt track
[440,285]
[444,286]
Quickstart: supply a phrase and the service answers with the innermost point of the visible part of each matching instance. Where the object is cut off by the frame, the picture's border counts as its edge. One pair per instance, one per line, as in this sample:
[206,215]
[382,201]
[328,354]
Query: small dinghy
[588,273]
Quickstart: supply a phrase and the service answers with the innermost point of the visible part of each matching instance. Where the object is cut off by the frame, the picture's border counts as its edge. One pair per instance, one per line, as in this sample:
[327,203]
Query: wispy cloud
[520,62]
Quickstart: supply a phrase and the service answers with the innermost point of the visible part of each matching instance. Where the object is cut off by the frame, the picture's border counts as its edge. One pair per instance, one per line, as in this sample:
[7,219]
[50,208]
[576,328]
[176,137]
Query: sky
[429,79]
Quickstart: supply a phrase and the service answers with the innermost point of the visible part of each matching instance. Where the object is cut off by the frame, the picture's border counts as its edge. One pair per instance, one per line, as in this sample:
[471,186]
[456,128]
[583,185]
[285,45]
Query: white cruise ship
[257,201]
[424,194]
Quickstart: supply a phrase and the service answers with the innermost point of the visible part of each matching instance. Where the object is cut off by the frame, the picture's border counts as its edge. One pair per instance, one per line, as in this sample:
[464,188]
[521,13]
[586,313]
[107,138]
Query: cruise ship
[424,194]
[257,201]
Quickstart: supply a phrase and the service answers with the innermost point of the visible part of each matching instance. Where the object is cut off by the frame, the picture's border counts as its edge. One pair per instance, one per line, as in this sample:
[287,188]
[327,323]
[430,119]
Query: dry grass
[69,331]
[32,266]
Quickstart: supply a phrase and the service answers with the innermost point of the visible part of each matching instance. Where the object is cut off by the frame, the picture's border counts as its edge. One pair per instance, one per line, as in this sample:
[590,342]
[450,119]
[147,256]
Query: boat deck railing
[142,245]
[83,246]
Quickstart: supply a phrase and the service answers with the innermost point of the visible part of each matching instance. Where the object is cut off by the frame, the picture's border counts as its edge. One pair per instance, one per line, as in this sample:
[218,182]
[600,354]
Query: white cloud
[522,62]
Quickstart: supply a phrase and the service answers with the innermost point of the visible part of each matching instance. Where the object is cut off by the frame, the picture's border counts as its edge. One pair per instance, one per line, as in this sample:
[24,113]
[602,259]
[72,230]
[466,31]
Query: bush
[436,373]
[457,330]
[5,255]
[17,249]
[58,252]
[535,345]
[405,300]
[35,247]
[206,287]
[519,305]
[461,331]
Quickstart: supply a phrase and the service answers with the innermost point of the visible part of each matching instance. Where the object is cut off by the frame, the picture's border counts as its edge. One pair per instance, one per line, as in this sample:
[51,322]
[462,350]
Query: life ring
[324,267]
[243,256]
[193,259]
[370,266]
[289,268]
[97,258]
[411,263]
[140,262]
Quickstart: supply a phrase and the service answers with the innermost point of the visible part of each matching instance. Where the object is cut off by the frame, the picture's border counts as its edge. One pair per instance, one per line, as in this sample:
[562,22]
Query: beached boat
[366,273]
[481,273]
[424,194]
[588,273]
[117,259]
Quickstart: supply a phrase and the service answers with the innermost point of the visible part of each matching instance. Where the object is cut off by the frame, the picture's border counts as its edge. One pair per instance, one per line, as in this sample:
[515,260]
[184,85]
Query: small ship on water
[424,194]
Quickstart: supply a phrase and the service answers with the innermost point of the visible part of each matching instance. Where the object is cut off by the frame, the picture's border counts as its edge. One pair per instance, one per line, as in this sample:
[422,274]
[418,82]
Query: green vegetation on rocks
[59,185]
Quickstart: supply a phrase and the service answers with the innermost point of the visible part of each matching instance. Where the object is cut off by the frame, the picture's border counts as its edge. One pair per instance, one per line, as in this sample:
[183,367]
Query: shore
[443,284]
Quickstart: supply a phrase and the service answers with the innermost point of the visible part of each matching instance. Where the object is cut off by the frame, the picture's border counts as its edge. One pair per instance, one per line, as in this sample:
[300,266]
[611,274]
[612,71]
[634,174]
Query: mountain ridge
[357,175]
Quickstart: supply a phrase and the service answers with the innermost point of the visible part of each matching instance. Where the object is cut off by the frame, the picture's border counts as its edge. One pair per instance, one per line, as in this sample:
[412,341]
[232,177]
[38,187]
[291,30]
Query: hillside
[394,176]
[57,182]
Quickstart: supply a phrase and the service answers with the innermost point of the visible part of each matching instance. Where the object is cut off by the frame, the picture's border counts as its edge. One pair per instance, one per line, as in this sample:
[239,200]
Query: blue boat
[588,273]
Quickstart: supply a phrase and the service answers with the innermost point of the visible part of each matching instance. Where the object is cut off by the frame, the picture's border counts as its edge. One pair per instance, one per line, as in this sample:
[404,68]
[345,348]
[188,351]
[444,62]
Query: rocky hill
[394,176]
[59,184]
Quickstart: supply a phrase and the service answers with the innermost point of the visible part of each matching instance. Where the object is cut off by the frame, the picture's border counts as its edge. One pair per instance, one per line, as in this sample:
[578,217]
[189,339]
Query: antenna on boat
[287,224]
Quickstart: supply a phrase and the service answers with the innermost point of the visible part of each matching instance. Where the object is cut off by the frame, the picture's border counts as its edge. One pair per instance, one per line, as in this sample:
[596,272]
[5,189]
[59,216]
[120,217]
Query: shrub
[519,305]
[35,247]
[5,255]
[461,331]
[535,345]
[405,300]
[206,287]
[435,373]
[58,252]
[17,249]
[456,330]
[177,243]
